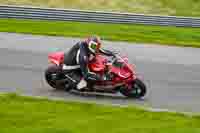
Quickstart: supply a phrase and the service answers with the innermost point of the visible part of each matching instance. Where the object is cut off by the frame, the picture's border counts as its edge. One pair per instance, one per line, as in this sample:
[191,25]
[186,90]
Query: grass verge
[167,35]
[21,114]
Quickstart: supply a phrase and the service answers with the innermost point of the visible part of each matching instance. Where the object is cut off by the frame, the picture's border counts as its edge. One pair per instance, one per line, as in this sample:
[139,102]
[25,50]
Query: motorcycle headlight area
[118,64]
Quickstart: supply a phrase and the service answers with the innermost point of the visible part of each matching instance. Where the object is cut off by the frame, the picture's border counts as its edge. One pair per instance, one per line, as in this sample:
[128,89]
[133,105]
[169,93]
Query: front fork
[129,82]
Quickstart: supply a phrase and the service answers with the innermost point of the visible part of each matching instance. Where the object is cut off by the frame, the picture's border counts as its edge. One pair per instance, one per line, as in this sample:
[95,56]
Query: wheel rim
[136,91]
[51,78]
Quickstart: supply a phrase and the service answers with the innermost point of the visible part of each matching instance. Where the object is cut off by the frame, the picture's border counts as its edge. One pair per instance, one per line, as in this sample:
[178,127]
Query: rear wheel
[53,77]
[138,90]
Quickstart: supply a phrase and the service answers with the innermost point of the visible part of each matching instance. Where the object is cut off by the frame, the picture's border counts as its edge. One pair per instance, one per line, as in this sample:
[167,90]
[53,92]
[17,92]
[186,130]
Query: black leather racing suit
[79,55]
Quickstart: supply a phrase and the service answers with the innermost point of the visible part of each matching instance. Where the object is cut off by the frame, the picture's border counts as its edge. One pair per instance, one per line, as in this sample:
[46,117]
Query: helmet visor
[93,45]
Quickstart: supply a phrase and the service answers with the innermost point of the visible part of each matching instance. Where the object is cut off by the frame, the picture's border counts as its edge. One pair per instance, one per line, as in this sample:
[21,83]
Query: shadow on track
[99,96]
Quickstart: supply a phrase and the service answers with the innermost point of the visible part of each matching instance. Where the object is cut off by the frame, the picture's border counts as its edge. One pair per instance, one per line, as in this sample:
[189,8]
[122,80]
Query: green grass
[167,35]
[19,114]
[164,7]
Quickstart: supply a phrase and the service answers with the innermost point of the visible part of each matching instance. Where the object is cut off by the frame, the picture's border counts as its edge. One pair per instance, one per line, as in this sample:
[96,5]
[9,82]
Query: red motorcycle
[122,75]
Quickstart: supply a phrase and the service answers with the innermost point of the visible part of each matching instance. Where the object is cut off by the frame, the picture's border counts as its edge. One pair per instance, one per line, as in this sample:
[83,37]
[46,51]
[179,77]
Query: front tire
[138,90]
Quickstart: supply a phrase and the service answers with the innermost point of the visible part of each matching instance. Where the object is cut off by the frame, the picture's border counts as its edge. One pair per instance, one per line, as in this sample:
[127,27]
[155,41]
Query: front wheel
[137,90]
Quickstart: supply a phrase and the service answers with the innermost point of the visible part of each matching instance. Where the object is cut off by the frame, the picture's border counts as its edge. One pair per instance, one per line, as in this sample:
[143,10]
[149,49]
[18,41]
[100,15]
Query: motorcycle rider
[80,55]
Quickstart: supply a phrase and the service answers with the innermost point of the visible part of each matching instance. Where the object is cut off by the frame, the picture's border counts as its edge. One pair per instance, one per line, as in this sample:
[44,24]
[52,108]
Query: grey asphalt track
[172,74]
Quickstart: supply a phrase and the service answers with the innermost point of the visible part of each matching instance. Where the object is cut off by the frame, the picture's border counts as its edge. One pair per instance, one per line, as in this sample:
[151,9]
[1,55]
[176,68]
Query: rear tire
[138,90]
[53,74]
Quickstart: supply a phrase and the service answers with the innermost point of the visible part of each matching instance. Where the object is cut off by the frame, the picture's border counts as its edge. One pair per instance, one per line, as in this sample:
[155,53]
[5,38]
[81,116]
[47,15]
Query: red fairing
[56,58]
[123,74]
[98,64]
